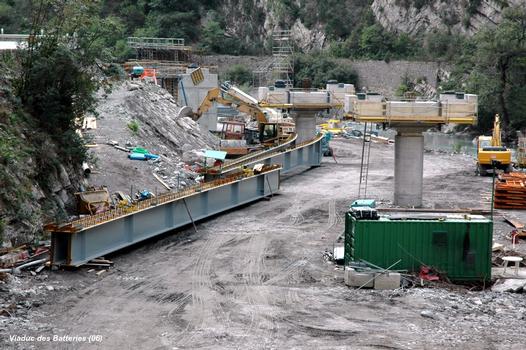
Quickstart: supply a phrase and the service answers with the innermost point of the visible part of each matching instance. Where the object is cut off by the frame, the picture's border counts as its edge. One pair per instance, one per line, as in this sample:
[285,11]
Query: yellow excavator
[216,95]
[270,133]
[491,153]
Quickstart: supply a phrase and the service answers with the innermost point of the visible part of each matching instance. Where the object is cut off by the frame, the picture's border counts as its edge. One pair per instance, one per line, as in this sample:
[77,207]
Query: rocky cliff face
[463,16]
[257,19]
[313,23]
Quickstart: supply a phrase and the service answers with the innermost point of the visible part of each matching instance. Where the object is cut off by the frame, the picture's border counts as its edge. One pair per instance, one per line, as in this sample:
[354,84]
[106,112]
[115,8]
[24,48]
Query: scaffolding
[170,49]
[281,64]
[282,52]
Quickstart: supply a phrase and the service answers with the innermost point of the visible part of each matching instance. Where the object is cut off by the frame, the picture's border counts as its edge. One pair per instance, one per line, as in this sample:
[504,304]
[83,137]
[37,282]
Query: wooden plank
[161,181]
[513,222]
[121,148]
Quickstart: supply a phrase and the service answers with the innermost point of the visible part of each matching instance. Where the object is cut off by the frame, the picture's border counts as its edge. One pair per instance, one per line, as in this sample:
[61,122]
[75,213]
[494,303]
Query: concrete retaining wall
[377,76]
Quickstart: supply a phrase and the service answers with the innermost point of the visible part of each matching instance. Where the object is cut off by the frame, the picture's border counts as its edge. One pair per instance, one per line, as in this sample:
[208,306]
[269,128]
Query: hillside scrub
[46,91]
[319,69]
[492,65]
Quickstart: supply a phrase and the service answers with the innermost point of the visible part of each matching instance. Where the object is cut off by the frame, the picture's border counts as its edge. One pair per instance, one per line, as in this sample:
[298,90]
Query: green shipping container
[459,246]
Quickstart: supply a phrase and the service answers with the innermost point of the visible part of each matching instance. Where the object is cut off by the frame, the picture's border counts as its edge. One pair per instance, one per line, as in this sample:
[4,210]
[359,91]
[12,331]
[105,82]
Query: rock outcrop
[457,16]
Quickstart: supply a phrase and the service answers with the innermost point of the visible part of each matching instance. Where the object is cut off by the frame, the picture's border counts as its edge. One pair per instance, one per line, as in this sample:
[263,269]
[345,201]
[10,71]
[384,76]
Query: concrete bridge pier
[305,125]
[409,166]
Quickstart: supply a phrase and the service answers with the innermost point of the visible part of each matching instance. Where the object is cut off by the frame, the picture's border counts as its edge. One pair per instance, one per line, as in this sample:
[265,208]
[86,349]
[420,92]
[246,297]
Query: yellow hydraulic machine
[491,153]
[269,132]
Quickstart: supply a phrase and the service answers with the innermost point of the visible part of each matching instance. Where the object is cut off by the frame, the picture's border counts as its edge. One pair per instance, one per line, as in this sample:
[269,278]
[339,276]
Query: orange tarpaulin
[150,73]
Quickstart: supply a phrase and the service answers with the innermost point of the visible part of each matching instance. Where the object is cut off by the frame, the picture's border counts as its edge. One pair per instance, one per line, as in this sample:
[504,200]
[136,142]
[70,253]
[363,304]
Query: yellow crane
[491,152]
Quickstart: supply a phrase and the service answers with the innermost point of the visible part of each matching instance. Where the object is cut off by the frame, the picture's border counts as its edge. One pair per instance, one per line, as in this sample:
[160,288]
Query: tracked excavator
[491,152]
[269,132]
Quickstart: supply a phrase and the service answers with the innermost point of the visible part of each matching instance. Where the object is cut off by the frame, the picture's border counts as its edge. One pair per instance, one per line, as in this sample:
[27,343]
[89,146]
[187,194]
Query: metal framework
[80,241]
[281,65]
[171,49]
[156,43]
[282,52]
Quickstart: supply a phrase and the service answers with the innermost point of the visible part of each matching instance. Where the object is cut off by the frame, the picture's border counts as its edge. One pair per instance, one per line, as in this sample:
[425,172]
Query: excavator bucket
[93,201]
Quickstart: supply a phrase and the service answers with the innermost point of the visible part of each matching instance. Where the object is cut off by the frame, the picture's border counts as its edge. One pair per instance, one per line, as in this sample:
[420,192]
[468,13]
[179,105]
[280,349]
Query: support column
[409,167]
[305,125]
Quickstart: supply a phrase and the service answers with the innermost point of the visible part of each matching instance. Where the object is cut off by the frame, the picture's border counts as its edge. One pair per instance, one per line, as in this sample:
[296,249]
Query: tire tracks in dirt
[257,294]
[202,294]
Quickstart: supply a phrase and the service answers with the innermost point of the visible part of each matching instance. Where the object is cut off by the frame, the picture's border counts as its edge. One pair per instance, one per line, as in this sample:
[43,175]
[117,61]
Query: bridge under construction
[77,242]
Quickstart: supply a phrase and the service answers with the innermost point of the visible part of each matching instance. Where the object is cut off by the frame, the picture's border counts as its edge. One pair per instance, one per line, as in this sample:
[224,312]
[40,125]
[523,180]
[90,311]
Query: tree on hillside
[499,69]
[59,70]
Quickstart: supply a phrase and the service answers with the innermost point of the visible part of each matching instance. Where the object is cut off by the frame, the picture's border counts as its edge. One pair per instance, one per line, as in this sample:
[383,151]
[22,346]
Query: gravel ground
[255,278]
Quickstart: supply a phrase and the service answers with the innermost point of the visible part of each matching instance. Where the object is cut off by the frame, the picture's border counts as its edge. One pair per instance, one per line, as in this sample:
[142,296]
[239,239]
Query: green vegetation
[134,127]
[239,74]
[406,86]
[44,92]
[56,84]
[492,65]
[318,68]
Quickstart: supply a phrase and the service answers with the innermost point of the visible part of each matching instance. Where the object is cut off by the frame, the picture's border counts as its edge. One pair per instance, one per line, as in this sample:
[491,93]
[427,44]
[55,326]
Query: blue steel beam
[77,248]
[305,155]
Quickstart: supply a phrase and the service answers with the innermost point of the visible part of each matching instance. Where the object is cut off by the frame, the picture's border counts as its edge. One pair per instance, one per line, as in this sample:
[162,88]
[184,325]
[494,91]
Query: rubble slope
[162,127]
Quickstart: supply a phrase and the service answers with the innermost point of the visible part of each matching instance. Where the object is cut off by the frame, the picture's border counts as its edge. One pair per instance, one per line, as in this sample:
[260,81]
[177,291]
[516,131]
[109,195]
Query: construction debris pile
[24,257]
[510,191]
[141,121]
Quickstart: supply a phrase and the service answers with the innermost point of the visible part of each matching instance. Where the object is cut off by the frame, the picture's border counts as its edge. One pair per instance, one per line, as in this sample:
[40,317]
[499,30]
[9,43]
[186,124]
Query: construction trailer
[456,245]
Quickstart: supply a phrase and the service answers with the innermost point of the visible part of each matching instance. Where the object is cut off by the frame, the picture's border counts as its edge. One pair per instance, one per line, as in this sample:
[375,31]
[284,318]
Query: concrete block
[358,279]
[387,281]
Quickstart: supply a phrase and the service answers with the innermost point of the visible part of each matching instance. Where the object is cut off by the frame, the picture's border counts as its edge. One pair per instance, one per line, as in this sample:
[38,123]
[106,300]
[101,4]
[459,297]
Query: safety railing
[112,214]
[155,43]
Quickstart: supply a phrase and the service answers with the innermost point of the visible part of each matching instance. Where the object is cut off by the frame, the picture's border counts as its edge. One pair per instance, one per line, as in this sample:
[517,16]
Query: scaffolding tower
[281,64]
[282,53]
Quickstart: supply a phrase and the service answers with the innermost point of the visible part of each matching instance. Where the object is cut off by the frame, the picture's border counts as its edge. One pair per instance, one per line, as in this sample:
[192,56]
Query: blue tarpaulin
[215,154]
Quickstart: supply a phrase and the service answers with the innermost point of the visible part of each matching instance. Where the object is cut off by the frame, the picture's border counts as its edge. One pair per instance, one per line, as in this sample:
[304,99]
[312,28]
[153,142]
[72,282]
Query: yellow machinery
[334,126]
[93,200]
[214,95]
[270,133]
[490,149]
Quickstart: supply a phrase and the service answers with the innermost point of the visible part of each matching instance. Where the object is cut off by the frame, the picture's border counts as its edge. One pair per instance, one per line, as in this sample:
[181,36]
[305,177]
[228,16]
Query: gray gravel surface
[255,278]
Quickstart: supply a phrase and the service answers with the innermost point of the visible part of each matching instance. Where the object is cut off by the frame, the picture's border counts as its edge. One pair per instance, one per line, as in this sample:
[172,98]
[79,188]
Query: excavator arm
[496,139]
[248,107]
[212,96]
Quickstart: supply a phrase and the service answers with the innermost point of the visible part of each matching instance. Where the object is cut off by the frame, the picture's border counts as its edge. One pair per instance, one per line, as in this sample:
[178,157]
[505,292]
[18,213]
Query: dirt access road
[255,278]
